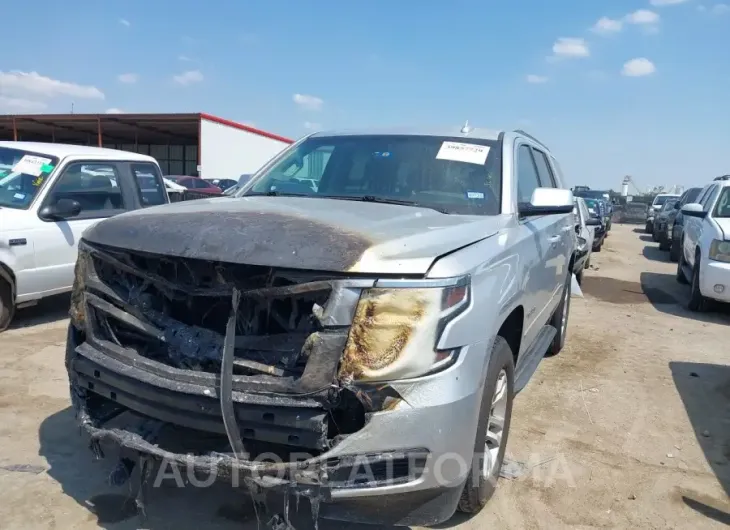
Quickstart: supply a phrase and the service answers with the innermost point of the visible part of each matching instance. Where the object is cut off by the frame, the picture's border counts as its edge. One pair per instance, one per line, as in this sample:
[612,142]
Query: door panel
[536,247]
[96,187]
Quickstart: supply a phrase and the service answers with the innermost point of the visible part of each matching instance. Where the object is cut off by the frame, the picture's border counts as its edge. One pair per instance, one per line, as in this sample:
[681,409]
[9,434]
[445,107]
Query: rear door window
[149,184]
[527,176]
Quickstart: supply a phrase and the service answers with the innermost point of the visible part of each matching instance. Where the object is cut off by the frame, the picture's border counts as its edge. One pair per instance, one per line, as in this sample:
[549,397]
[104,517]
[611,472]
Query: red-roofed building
[184,144]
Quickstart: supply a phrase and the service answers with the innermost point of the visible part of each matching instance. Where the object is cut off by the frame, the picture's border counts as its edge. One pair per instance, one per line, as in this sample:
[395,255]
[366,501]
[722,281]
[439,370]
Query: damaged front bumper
[392,453]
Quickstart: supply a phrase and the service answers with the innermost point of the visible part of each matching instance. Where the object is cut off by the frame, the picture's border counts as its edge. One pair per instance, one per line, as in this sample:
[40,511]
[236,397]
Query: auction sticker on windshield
[461,152]
[31,165]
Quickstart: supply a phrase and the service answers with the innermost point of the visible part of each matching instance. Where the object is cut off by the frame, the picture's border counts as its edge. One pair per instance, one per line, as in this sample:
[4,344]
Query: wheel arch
[6,274]
[511,330]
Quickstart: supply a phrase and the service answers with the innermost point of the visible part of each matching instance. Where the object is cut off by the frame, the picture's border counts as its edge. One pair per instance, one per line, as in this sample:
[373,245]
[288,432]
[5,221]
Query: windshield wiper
[275,193]
[382,200]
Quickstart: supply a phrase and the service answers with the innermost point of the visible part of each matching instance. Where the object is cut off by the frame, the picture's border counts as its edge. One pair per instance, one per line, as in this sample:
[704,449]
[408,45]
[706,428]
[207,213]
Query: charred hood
[299,233]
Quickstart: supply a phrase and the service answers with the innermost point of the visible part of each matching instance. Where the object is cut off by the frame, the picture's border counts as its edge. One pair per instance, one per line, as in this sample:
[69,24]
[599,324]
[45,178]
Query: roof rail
[723,177]
[523,133]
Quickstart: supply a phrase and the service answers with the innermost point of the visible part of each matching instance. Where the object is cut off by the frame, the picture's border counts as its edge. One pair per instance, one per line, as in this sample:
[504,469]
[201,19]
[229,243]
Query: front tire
[492,430]
[7,305]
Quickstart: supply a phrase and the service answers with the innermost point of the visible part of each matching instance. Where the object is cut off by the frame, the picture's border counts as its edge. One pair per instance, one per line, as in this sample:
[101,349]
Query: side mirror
[677,206]
[694,209]
[547,201]
[60,210]
[593,221]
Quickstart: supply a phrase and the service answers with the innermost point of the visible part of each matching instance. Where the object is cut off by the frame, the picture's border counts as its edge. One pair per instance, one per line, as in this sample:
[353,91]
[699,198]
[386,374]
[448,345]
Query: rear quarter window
[149,184]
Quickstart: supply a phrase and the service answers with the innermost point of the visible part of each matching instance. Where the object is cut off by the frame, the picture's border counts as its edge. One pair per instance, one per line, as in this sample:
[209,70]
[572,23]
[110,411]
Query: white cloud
[128,78]
[638,67]
[23,84]
[570,47]
[20,104]
[536,79]
[124,22]
[114,110]
[607,25]
[184,58]
[642,16]
[189,77]
[312,125]
[666,2]
[308,102]
[720,9]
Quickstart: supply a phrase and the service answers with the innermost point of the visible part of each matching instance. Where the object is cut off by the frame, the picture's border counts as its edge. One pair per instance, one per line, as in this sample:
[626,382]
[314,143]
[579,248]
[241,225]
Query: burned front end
[254,372]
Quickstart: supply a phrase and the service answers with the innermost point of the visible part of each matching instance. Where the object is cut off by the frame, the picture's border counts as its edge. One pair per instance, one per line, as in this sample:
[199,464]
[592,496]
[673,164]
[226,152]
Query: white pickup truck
[49,194]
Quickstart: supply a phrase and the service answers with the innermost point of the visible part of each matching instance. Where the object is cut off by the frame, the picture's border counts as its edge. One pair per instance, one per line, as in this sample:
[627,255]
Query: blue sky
[557,69]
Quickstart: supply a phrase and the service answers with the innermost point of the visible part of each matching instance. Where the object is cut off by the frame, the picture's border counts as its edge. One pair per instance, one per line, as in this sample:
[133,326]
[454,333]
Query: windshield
[723,204]
[594,194]
[22,175]
[659,200]
[669,205]
[692,195]
[452,175]
[592,205]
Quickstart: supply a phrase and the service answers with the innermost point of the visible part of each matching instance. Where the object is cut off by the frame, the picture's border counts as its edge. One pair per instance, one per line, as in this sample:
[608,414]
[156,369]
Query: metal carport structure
[179,142]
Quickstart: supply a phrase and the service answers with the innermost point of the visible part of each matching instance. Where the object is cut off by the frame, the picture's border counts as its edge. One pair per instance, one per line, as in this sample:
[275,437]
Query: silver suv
[351,327]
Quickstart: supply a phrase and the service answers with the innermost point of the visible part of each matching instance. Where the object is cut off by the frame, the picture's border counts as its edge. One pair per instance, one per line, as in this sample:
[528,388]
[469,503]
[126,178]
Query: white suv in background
[704,260]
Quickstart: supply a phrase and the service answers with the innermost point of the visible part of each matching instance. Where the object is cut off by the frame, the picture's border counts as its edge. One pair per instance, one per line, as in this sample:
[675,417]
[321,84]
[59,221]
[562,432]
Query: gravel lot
[629,427]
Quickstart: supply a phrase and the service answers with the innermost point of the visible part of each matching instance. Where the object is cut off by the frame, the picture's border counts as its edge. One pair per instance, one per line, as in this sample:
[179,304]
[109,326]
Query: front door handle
[554,239]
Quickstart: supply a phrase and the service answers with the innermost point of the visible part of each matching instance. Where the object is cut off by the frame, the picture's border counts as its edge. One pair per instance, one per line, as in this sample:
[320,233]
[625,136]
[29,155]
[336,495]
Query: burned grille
[185,305]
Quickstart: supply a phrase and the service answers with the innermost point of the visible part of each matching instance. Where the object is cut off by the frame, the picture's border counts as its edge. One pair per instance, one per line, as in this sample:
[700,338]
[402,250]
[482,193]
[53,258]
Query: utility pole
[72,108]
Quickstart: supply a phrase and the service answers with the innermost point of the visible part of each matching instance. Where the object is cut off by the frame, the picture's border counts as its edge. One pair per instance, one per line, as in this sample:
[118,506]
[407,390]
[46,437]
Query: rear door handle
[554,239]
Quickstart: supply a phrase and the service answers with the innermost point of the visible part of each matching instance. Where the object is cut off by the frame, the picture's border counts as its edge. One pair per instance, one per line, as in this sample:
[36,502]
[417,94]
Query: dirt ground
[629,427]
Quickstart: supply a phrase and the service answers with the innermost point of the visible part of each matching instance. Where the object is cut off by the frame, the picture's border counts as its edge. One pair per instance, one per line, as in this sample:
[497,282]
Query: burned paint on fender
[393,334]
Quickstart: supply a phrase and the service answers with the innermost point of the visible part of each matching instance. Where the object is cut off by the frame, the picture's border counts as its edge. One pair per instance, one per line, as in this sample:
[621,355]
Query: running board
[533,356]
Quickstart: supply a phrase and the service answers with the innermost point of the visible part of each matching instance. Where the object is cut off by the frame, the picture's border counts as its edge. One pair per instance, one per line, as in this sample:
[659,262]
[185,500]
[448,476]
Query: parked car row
[655,207]
[695,228]
[704,246]
[605,206]
[587,227]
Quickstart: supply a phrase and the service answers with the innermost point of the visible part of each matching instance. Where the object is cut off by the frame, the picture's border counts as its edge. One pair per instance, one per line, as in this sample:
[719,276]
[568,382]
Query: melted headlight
[395,331]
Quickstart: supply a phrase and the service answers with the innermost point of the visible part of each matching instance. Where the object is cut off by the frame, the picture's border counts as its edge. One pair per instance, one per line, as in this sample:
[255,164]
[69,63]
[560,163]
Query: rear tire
[7,305]
[697,302]
[649,228]
[664,242]
[681,278]
[482,480]
[674,251]
[560,320]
